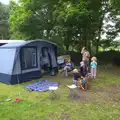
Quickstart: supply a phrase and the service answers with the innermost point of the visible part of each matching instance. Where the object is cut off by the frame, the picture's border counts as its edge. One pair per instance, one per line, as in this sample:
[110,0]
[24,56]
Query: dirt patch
[80,95]
[97,95]
[111,92]
[113,86]
[98,90]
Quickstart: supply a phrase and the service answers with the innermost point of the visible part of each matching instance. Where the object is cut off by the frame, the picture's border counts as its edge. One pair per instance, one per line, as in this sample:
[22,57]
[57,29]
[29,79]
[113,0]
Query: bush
[106,57]
[76,57]
[109,57]
[116,60]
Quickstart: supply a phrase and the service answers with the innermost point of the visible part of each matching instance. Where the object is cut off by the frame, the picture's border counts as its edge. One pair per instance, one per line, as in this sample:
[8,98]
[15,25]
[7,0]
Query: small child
[81,83]
[93,66]
[75,76]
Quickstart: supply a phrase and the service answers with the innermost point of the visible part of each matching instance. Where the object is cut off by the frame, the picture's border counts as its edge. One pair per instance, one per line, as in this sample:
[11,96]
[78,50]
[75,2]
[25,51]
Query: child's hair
[94,59]
[75,71]
[79,77]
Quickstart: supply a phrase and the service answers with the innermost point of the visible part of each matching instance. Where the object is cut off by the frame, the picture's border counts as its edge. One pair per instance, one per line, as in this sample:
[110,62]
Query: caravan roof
[23,43]
[10,41]
[3,42]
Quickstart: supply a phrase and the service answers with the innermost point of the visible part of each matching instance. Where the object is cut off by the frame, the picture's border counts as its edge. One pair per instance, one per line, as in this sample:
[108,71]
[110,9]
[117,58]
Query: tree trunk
[101,22]
[2,36]
[85,37]
[97,45]
[67,47]
[89,48]
[99,33]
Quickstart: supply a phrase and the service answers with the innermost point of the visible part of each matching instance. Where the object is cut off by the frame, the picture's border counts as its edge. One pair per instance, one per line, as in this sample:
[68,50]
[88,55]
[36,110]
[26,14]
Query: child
[81,83]
[93,66]
[75,76]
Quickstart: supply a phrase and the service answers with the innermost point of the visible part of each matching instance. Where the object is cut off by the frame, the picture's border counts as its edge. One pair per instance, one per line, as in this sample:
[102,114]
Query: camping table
[72,89]
[52,89]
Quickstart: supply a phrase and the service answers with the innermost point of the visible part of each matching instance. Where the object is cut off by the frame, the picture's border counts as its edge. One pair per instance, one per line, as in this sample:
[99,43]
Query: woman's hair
[85,48]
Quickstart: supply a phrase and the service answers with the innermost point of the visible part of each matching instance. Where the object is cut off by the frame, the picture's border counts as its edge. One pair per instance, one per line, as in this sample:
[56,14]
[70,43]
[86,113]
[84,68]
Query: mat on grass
[41,86]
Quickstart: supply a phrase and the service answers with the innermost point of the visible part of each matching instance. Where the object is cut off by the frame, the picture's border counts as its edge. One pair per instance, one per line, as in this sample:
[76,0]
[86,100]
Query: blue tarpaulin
[41,86]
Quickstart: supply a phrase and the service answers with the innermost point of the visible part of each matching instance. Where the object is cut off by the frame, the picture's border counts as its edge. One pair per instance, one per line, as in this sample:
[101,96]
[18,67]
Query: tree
[78,20]
[4,15]
[112,25]
[115,5]
[4,30]
[18,14]
[33,20]
[68,23]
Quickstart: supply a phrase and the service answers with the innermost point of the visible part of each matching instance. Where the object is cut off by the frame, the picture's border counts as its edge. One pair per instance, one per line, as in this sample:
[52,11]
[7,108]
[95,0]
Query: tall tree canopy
[116,5]
[4,15]
[68,23]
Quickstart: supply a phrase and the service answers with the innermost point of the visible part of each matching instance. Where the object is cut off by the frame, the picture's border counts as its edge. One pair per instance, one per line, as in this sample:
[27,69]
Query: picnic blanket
[41,86]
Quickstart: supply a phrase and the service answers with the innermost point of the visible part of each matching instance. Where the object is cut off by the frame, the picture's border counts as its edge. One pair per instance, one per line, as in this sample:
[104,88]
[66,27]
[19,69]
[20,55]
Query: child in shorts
[75,76]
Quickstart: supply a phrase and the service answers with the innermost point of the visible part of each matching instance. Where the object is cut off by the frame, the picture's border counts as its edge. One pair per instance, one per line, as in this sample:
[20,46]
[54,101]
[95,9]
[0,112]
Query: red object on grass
[17,100]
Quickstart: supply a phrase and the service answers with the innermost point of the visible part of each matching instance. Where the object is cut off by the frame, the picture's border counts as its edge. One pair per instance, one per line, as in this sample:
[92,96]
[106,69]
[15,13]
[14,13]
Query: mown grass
[38,106]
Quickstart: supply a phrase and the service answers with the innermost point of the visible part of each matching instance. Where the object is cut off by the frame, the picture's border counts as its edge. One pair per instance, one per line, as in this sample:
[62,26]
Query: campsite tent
[22,61]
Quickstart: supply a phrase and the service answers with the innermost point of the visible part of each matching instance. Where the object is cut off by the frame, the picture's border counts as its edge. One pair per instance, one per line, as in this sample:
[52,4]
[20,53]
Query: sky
[5,1]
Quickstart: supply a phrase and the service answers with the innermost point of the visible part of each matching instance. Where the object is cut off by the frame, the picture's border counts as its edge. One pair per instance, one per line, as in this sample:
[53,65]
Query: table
[72,89]
[52,89]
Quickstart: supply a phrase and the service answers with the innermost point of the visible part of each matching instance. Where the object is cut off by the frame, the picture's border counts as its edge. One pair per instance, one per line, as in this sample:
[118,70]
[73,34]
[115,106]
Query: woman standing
[85,59]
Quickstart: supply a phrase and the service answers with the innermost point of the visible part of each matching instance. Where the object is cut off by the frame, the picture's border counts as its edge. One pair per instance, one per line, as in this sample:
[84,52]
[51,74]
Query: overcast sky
[5,1]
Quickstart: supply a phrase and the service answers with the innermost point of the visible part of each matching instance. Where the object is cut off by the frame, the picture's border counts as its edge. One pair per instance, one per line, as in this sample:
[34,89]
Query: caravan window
[45,60]
[29,57]
[45,52]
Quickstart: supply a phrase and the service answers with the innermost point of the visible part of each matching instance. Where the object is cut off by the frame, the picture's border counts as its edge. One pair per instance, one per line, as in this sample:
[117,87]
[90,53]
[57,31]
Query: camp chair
[70,71]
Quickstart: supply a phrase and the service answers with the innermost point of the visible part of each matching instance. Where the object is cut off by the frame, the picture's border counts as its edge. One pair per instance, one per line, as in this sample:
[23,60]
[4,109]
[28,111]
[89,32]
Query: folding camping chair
[52,94]
[69,72]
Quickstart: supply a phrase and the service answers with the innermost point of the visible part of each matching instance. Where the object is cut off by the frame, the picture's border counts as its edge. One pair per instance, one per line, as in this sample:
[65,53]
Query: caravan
[23,61]
[3,42]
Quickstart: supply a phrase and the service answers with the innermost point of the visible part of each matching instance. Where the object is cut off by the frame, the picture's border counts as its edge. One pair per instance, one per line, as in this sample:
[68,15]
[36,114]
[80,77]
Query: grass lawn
[101,102]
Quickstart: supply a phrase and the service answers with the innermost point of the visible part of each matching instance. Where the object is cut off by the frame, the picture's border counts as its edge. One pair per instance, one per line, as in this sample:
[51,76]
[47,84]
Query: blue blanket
[41,86]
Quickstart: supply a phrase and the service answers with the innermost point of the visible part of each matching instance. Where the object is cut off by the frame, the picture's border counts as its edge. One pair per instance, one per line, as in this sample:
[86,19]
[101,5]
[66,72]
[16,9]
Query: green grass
[38,106]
